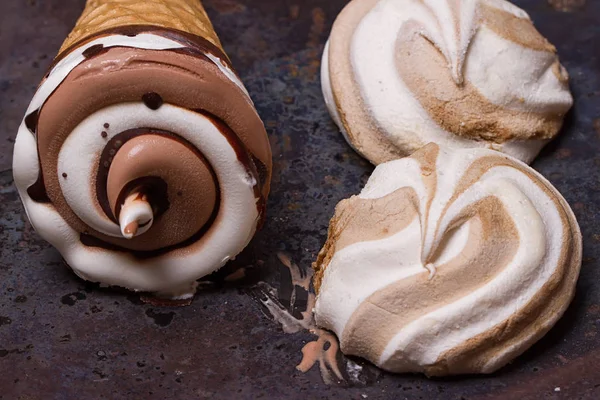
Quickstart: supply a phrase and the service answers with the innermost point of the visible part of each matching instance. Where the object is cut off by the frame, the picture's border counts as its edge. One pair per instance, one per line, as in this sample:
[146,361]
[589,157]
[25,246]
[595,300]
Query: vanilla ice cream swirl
[398,74]
[142,159]
[448,262]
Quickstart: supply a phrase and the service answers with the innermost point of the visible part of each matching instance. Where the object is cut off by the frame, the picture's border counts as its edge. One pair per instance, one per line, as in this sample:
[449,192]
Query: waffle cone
[184,15]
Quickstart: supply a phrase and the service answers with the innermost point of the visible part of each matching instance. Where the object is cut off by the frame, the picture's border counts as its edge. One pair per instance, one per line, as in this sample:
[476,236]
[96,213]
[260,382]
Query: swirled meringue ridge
[448,262]
[397,74]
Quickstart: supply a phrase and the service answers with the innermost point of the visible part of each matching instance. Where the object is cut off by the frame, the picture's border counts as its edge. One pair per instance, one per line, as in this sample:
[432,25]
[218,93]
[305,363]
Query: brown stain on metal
[236,275]
[594,309]
[591,333]
[294,206]
[597,127]
[331,180]
[294,11]
[314,46]
[287,143]
[317,28]
[561,154]
[293,70]
[566,5]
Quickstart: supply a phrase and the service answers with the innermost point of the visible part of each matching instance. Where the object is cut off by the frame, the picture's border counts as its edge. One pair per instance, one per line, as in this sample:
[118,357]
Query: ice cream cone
[177,162]
[184,15]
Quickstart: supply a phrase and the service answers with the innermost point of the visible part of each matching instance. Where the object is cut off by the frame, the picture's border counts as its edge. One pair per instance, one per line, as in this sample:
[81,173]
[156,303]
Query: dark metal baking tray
[61,338]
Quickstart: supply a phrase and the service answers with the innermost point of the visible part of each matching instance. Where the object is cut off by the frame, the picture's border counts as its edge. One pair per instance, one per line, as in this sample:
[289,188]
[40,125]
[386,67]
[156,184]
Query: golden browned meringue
[448,262]
[398,74]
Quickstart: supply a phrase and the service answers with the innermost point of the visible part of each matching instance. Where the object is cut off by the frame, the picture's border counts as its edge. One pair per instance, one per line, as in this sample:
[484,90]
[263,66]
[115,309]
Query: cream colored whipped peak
[397,74]
[448,262]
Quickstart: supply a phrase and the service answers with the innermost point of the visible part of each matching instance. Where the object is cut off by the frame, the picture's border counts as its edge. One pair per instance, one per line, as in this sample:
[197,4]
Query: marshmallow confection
[448,262]
[398,74]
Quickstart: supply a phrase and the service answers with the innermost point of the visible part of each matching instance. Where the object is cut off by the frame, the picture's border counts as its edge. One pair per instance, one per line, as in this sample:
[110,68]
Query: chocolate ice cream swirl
[143,147]
[398,74]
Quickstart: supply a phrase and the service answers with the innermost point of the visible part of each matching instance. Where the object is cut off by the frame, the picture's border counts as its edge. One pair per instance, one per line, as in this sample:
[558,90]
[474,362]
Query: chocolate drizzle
[31,121]
[94,50]
[242,155]
[261,168]
[37,192]
[196,44]
[152,100]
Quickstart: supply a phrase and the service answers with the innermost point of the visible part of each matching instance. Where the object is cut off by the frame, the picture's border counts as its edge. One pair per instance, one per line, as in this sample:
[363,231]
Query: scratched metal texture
[61,338]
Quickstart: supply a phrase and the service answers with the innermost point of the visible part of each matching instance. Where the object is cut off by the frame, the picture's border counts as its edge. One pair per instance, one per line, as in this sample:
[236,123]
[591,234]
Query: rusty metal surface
[61,338]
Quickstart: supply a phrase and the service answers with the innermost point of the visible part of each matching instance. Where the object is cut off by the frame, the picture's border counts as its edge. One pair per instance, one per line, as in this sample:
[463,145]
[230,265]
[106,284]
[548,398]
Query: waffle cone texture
[184,15]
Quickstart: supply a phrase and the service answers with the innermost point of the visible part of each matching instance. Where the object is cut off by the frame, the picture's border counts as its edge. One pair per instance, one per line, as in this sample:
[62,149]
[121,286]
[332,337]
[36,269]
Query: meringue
[448,262]
[397,74]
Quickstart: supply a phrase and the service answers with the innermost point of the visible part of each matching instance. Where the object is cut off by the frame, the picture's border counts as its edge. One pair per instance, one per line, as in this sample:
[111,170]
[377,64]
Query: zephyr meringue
[448,262]
[397,74]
